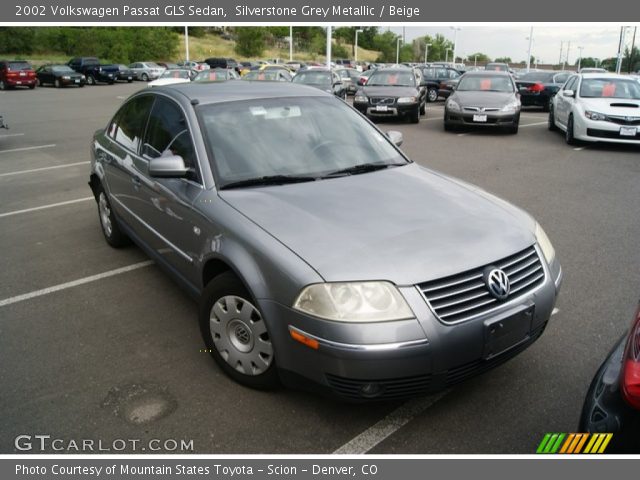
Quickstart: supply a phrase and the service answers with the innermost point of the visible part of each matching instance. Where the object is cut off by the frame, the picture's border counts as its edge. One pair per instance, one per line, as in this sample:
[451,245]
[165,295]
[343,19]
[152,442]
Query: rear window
[19,66]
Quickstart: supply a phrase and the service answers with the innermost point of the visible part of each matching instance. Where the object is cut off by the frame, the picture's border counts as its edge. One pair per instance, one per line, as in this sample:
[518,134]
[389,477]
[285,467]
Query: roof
[487,73]
[237,90]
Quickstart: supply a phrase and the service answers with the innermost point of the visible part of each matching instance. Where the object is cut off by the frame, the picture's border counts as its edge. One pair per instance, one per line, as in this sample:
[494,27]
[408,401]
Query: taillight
[631,365]
[536,88]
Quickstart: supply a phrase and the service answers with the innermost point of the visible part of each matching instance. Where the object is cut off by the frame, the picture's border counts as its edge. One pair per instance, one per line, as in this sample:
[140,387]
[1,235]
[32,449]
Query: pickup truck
[94,71]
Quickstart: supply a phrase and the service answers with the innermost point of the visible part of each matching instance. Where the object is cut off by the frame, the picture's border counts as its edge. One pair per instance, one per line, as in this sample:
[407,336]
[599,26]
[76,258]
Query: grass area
[205,47]
[214,46]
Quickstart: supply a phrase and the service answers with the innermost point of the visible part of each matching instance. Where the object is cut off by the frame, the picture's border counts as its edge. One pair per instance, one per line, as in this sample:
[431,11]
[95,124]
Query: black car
[437,78]
[612,404]
[124,74]
[392,92]
[324,79]
[219,62]
[538,88]
[59,76]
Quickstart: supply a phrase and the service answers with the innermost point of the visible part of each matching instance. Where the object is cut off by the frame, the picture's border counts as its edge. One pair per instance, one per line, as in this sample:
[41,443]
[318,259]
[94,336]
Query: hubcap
[433,95]
[105,214]
[240,335]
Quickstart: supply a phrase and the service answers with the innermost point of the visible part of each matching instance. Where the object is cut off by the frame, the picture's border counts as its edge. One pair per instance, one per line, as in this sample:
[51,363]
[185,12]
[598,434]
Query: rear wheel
[423,108]
[569,134]
[112,233]
[547,106]
[145,77]
[235,333]
[432,95]
[32,86]
[2,85]
[91,80]
[448,127]
[56,83]
[551,123]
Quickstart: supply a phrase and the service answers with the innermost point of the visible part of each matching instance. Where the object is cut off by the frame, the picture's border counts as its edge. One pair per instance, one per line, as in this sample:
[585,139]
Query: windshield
[297,136]
[62,69]
[610,88]
[313,78]
[175,74]
[394,79]
[479,83]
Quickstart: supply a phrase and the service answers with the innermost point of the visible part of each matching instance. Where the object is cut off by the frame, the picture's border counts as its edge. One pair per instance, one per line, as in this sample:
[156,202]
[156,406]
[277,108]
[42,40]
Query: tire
[129,81]
[423,108]
[432,95]
[145,77]
[547,106]
[569,137]
[551,123]
[414,116]
[108,222]
[91,80]
[56,83]
[514,129]
[38,83]
[236,335]
[31,87]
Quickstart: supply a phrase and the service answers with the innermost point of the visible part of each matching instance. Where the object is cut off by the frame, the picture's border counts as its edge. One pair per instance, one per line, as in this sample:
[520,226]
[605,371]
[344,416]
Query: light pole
[186,43]
[359,30]
[398,50]
[475,61]
[329,47]
[455,41]
[290,43]
[446,55]
[580,58]
[623,33]
[426,51]
[529,53]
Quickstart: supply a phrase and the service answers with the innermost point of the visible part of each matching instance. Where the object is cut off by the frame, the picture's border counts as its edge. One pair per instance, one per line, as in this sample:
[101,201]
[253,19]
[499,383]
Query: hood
[394,92]
[612,106]
[483,99]
[405,224]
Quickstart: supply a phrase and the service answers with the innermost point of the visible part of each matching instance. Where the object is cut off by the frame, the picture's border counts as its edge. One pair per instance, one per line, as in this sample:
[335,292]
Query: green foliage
[250,41]
[479,57]
[437,50]
[339,51]
[503,60]
[119,44]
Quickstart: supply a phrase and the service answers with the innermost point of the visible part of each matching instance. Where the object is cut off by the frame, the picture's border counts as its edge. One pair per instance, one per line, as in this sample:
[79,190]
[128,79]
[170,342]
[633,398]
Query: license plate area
[628,131]
[505,333]
[479,118]
[381,108]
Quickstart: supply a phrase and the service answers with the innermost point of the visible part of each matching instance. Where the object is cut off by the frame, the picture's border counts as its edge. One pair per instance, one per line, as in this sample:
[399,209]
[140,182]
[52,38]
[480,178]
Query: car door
[121,162]
[166,204]
[563,103]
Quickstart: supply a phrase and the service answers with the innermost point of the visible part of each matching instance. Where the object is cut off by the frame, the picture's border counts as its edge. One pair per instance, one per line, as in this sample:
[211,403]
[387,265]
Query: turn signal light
[309,342]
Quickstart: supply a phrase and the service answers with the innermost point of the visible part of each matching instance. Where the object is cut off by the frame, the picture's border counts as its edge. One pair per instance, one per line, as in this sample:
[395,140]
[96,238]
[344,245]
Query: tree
[437,49]
[478,57]
[503,60]
[250,41]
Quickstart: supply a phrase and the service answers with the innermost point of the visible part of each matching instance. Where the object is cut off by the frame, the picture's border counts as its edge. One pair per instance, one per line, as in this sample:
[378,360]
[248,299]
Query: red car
[16,73]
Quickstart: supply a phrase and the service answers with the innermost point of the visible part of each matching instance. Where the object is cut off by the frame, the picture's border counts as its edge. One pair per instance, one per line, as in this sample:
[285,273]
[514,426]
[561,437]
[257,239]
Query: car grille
[465,295]
[382,100]
[465,371]
[481,109]
[620,120]
[389,389]
[594,132]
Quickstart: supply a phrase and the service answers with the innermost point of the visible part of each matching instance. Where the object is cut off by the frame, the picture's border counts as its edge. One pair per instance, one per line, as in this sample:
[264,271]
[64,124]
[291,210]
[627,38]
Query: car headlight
[594,115]
[545,244]
[511,107]
[354,302]
[83,77]
[452,106]
[66,77]
[406,100]
[361,99]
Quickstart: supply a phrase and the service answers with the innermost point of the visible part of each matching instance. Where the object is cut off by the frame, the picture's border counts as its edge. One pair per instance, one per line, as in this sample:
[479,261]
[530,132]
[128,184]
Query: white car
[173,76]
[597,107]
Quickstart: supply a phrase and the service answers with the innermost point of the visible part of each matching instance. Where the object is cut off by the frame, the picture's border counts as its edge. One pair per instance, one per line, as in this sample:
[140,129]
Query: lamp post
[529,53]
[475,61]
[398,49]
[186,43]
[455,41]
[580,58]
[426,51]
[446,55]
[329,47]
[291,43]
[359,30]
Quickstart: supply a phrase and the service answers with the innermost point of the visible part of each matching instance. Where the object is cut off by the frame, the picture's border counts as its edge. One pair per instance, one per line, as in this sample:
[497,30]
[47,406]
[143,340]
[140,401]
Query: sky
[512,41]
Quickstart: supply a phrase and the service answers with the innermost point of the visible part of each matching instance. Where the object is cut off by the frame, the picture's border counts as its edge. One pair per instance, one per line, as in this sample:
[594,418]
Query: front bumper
[393,110]
[605,411]
[391,360]
[493,119]
[72,81]
[602,131]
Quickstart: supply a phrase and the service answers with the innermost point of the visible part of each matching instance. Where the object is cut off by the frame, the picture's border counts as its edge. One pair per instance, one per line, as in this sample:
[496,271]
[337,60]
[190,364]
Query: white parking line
[51,205]
[533,124]
[74,283]
[12,135]
[28,148]
[66,165]
[578,149]
[388,425]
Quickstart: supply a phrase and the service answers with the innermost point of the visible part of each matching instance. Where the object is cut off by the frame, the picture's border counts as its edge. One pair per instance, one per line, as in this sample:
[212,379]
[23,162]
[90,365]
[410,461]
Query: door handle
[136,181]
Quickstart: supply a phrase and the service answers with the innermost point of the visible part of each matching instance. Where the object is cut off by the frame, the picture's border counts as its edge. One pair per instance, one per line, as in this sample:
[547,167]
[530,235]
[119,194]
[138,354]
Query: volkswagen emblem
[497,283]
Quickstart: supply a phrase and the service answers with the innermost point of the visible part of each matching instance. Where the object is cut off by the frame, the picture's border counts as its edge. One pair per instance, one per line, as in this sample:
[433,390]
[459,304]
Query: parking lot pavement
[117,354]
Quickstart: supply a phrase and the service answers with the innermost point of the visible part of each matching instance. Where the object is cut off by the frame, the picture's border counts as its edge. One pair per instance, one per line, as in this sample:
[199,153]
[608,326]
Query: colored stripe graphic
[573,443]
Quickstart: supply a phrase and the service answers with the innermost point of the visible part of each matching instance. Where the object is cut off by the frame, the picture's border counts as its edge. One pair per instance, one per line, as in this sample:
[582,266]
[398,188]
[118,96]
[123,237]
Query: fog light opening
[371,390]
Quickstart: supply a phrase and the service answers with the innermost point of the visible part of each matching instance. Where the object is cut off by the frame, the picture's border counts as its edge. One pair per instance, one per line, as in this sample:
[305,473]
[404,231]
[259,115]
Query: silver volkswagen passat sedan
[322,257]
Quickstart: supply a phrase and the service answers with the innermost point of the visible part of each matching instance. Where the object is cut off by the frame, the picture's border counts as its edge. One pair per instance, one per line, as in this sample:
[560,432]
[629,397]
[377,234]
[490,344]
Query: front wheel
[145,77]
[91,80]
[423,108]
[414,116]
[56,83]
[432,95]
[551,122]
[110,228]
[236,335]
[569,135]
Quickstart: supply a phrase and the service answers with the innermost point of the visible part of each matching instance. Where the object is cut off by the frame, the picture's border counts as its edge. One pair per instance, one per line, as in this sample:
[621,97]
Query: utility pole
[560,57]
[398,50]
[568,48]
[620,49]
[358,30]
[475,61]
[426,51]
[529,53]
[632,57]
[580,58]
[329,47]
[186,43]
[290,43]
[455,41]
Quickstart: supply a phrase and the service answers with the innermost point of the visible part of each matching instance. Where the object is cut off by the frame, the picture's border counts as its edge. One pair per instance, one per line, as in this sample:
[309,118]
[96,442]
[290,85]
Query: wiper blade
[267,180]
[362,168]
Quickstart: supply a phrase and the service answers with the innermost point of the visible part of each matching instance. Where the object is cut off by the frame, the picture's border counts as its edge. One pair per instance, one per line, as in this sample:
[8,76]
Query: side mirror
[396,137]
[569,93]
[167,166]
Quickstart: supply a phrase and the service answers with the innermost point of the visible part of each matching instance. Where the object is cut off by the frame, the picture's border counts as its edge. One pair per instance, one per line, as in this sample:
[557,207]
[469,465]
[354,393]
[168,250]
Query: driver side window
[168,134]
